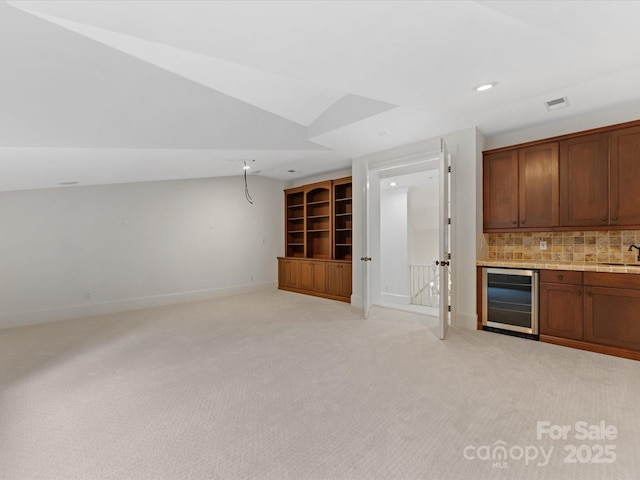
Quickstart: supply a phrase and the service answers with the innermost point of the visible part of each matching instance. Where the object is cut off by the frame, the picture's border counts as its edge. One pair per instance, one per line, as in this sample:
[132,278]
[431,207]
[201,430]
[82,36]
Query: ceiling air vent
[557,103]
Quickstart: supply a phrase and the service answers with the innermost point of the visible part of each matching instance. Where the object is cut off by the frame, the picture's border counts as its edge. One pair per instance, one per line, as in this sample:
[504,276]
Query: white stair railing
[424,285]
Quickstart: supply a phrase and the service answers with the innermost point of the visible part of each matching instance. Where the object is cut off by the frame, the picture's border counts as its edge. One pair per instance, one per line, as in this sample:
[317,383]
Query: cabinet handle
[615,219]
[524,221]
[604,219]
[578,292]
[514,222]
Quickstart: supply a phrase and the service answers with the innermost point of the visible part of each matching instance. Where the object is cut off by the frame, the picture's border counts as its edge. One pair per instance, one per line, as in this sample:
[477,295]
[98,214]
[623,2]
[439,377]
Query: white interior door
[366,258]
[443,240]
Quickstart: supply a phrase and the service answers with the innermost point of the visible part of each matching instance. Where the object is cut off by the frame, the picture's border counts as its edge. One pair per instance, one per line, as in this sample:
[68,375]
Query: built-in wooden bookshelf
[342,219]
[318,240]
[319,221]
[295,223]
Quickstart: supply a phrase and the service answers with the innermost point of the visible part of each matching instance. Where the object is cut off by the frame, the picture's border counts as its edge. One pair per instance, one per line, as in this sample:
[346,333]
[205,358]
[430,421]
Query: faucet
[637,248]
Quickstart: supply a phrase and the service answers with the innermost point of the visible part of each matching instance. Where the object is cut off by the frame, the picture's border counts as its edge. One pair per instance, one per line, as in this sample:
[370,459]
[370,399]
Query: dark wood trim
[607,128]
[479,297]
[594,228]
[591,347]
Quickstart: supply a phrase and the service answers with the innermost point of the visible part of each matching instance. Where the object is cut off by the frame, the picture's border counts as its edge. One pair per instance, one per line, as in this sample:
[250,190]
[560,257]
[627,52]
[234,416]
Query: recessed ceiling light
[486,86]
[393,184]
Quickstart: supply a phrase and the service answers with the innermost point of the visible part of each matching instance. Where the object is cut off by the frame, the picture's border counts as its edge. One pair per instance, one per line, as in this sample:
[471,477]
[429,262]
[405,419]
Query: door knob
[365,259]
[444,263]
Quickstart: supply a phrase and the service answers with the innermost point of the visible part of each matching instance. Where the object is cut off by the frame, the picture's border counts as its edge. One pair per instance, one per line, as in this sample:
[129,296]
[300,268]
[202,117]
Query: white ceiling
[125,91]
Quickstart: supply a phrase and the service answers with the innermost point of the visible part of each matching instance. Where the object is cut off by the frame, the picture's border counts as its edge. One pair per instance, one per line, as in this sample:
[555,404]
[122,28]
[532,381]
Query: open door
[443,240]
[366,258]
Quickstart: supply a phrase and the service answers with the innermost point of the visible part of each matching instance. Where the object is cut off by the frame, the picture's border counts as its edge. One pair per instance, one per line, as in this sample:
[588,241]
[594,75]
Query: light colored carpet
[279,386]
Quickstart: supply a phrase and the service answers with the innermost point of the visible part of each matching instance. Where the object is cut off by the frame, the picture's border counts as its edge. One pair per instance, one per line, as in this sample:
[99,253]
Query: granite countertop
[555,265]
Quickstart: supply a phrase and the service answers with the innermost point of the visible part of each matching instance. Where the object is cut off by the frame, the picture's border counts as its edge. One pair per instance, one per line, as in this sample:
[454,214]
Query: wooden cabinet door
[611,317]
[625,176]
[561,310]
[333,278]
[312,276]
[584,181]
[346,274]
[288,273]
[539,203]
[500,190]
[339,279]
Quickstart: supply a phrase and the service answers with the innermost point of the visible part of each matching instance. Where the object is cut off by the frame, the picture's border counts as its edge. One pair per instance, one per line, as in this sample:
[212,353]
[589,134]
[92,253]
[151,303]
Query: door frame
[370,172]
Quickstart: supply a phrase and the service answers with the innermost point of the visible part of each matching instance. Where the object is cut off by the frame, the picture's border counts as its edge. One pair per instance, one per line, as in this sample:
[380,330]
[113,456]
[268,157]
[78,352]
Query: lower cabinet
[612,317]
[599,312]
[561,304]
[288,273]
[321,278]
[339,279]
[313,276]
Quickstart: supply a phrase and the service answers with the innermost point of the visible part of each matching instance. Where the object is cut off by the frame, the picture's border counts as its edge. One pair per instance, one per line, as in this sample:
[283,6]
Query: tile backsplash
[589,247]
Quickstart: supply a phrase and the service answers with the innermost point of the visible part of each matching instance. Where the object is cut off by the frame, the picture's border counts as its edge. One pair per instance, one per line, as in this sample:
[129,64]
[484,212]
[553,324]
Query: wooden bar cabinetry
[593,311]
[581,181]
[318,240]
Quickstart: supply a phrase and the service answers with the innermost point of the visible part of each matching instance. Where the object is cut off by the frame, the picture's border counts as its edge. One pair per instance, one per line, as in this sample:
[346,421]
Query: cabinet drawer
[616,280]
[561,276]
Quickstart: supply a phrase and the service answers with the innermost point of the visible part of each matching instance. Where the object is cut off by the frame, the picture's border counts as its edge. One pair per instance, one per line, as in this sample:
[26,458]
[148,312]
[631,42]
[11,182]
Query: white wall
[135,245]
[394,247]
[423,246]
[423,228]
[466,147]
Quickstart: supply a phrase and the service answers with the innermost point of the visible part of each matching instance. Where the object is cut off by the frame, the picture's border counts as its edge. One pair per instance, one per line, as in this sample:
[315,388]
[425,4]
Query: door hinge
[449,169]
[449,221]
[448,256]
[449,308]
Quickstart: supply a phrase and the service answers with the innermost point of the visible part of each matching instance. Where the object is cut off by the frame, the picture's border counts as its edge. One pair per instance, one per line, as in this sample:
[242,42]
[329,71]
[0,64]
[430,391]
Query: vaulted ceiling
[122,91]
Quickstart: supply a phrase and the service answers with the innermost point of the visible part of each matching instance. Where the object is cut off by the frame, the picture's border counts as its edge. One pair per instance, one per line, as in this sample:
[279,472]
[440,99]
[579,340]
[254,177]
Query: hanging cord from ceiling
[246,186]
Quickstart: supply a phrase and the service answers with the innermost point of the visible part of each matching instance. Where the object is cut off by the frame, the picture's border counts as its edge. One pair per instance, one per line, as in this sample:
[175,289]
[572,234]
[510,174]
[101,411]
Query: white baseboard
[395,298]
[31,317]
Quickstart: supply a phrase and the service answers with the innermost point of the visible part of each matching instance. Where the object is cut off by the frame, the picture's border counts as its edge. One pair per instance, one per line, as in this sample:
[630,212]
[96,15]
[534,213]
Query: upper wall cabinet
[624,196]
[500,194]
[582,181]
[521,188]
[538,186]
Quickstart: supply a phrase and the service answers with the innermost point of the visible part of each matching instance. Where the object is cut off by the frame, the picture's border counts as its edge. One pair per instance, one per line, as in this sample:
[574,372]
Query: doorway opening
[409,235]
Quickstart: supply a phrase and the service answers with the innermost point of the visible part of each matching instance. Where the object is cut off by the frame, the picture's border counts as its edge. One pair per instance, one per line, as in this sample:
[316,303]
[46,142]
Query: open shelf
[318,220]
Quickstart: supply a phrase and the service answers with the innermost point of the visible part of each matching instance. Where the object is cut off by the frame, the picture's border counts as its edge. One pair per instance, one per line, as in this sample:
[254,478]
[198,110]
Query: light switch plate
[543,245]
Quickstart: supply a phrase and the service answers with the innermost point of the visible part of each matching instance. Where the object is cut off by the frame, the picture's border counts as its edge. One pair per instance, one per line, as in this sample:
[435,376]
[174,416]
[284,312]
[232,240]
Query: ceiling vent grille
[557,103]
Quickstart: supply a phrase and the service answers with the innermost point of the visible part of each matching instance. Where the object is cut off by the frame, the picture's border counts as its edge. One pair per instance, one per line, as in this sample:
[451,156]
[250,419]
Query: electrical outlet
[543,245]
